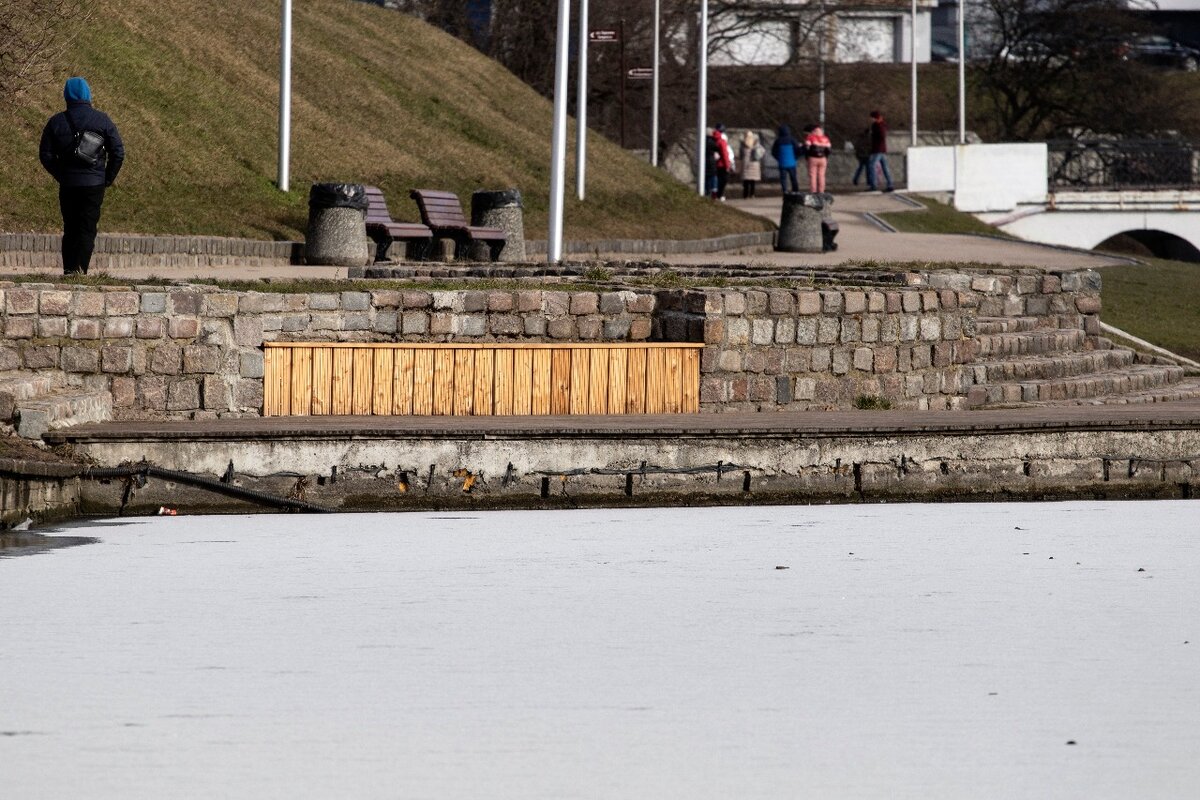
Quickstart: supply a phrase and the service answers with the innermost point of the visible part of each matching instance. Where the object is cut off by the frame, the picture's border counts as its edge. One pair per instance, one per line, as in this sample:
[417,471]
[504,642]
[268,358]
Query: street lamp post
[558,144]
[581,103]
[702,104]
[285,94]
[654,89]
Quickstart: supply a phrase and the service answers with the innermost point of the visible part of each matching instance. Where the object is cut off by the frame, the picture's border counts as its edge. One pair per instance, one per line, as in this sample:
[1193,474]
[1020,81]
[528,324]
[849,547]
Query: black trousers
[80,207]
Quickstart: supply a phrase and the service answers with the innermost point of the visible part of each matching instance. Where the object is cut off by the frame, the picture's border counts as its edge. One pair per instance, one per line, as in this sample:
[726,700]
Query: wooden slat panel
[270,378]
[691,381]
[489,345]
[464,382]
[656,378]
[364,381]
[525,388]
[560,381]
[485,377]
[402,383]
[597,380]
[635,382]
[618,363]
[577,391]
[541,382]
[343,381]
[443,382]
[502,389]
[672,381]
[381,397]
[302,381]
[423,382]
[283,383]
[322,380]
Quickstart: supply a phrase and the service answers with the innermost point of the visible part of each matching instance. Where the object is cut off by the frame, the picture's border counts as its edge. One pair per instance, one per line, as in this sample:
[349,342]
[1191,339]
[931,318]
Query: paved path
[861,240]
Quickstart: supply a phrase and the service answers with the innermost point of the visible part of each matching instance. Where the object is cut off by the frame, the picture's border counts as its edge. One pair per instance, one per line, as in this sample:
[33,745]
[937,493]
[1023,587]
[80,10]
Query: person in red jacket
[817,147]
[723,162]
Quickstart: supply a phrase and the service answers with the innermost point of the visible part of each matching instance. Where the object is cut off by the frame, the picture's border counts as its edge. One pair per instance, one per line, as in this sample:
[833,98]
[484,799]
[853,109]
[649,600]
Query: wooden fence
[311,378]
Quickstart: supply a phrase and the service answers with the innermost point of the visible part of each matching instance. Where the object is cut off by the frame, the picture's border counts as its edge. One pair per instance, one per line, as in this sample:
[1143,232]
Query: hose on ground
[211,484]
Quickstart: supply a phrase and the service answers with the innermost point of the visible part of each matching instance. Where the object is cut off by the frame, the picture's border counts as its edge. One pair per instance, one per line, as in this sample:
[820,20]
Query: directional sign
[640,74]
[603,36]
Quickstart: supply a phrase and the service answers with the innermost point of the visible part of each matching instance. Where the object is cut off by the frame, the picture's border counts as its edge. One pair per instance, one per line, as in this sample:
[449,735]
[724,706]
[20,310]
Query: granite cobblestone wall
[196,351]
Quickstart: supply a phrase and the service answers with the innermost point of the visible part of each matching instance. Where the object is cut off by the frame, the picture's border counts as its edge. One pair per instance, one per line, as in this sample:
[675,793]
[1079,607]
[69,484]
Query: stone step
[988,325]
[1063,365]
[15,388]
[1019,343]
[62,408]
[1066,391]
[1187,389]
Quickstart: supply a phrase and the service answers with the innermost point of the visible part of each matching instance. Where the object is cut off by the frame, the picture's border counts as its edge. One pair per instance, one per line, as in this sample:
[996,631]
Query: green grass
[379,97]
[1158,301]
[938,218]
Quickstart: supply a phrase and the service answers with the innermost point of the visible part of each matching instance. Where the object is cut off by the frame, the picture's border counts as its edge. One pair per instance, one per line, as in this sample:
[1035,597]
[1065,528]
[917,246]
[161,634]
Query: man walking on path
[82,150]
[878,157]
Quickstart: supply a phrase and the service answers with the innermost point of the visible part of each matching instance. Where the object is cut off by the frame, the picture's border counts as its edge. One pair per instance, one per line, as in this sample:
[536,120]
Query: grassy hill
[378,98]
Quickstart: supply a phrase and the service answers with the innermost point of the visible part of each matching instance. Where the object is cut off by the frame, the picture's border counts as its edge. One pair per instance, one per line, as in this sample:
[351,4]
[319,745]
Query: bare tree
[1060,69]
[33,33]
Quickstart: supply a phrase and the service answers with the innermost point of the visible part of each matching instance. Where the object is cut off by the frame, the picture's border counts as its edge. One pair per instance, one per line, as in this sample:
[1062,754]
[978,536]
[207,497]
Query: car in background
[943,51]
[1160,51]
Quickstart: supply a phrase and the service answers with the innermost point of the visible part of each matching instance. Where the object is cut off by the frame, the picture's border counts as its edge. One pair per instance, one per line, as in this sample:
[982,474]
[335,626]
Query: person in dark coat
[80,185]
[877,162]
[784,151]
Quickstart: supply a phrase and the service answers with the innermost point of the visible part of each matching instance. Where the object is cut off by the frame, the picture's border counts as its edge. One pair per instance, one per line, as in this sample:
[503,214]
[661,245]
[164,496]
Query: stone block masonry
[196,351]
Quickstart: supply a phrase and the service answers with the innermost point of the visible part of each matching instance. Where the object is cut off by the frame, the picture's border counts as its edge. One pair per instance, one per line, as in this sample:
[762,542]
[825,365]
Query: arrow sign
[603,36]
[640,74]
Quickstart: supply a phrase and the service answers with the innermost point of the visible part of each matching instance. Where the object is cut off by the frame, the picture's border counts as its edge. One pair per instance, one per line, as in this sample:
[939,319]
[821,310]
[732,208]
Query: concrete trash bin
[501,209]
[337,228]
[800,222]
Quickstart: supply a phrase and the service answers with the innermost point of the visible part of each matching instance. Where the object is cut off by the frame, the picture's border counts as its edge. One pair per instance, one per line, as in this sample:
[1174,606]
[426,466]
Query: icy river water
[909,651]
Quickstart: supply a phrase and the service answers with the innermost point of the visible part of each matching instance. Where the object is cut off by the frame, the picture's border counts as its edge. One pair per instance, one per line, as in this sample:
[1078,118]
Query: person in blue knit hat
[82,150]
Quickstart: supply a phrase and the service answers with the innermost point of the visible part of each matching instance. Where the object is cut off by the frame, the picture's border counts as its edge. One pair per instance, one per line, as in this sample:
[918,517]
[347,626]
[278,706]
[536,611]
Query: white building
[777,32]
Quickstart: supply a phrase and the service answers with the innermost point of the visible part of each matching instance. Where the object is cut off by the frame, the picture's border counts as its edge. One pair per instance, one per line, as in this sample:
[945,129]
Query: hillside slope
[378,97]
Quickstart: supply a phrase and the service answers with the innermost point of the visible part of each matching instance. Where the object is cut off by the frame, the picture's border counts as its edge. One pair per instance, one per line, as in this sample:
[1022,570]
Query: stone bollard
[337,229]
[501,209]
[800,222]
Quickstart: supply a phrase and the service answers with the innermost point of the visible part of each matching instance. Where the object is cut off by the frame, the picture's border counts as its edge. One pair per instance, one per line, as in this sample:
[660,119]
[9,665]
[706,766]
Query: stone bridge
[1026,190]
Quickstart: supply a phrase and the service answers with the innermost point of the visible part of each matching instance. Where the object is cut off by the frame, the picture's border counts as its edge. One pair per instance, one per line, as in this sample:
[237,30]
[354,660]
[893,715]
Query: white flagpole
[702,105]
[285,94]
[558,145]
[962,71]
[912,47]
[654,90]
[581,99]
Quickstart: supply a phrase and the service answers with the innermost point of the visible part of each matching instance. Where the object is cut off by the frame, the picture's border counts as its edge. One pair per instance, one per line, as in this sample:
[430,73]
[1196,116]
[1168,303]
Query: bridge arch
[1159,231]
[1160,244]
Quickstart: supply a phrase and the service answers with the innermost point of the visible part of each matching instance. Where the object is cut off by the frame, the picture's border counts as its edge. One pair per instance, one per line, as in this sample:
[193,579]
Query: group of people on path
[815,148]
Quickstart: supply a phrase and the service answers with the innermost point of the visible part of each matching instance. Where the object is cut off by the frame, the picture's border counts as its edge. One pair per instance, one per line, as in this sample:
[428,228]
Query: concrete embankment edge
[386,470]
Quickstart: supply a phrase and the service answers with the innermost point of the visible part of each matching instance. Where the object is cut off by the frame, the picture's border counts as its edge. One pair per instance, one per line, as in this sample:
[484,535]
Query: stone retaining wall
[39,250]
[197,350]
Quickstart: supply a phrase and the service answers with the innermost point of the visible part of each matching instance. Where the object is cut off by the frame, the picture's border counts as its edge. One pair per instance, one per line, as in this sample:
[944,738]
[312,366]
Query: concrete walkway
[863,241]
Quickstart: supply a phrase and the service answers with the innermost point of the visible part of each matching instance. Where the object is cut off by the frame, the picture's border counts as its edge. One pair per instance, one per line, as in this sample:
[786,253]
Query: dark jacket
[58,145]
[878,137]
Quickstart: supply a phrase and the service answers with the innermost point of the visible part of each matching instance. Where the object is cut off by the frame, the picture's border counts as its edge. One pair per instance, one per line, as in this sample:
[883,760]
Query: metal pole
[702,104]
[962,72]
[285,94]
[912,48]
[558,143]
[821,69]
[581,104]
[621,33]
[654,89]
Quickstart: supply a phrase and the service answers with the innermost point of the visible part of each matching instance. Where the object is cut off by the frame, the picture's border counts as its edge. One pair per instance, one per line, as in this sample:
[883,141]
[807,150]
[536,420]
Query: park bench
[480,378]
[442,212]
[383,230]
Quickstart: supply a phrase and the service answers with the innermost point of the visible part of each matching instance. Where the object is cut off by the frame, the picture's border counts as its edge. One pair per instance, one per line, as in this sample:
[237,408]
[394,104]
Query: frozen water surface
[914,651]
